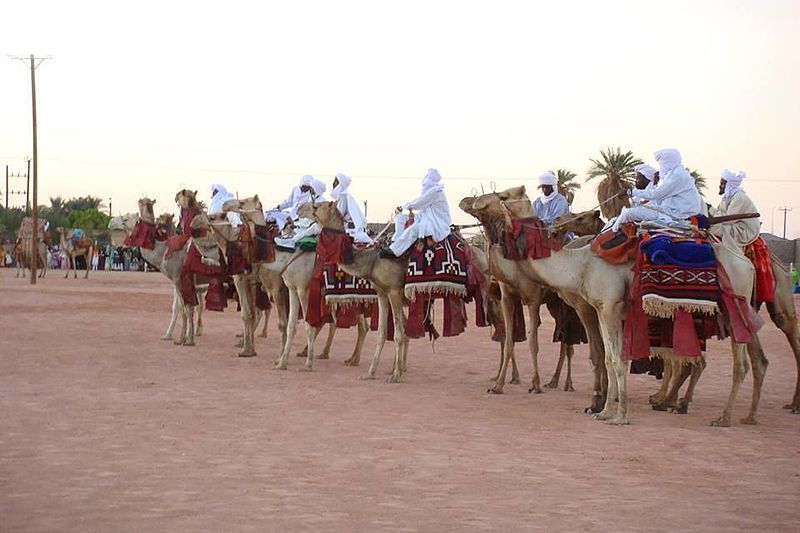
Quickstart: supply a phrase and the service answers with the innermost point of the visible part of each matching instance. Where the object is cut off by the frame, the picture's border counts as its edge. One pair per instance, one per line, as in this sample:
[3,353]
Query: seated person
[309,190]
[550,204]
[220,195]
[645,176]
[354,221]
[735,202]
[432,218]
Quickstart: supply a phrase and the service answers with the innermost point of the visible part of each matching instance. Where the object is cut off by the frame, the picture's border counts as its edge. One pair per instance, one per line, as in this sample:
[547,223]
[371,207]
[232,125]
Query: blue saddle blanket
[665,250]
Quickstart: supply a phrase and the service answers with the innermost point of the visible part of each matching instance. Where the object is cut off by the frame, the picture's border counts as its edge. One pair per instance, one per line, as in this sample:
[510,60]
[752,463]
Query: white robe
[740,232]
[548,212]
[676,194]
[348,207]
[218,200]
[432,218]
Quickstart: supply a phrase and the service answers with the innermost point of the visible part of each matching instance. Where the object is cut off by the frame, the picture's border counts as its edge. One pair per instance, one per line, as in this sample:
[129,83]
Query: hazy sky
[150,97]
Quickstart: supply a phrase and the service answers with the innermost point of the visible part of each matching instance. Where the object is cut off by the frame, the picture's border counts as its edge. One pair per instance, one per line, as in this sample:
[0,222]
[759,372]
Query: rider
[645,180]
[550,204]
[309,190]
[355,222]
[431,219]
[220,195]
[735,202]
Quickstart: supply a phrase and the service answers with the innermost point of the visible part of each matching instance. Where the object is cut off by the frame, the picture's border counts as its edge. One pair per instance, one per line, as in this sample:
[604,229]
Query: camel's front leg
[657,400]
[570,350]
[248,316]
[507,305]
[69,267]
[400,339]
[616,408]
[291,326]
[189,325]
[177,305]
[759,363]
[533,345]
[363,328]
[88,259]
[739,373]
[588,317]
[562,355]
[383,322]
[265,329]
[697,370]
[326,351]
[199,329]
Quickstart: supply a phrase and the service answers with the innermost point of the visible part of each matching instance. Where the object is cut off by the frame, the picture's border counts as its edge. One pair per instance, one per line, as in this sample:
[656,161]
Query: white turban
[646,170]
[432,180]
[668,160]
[344,182]
[219,199]
[548,178]
[306,180]
[733,182]
[318,186]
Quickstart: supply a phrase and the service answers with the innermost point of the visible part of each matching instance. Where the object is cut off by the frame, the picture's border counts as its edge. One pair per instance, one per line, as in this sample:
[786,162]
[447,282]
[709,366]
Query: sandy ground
[104,427]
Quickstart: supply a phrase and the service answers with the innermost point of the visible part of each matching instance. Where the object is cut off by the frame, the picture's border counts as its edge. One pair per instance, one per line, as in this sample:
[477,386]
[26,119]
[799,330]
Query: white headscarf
[646,170]
[353,209]
[548,178]
[733,182]
[318,186]
[306,180]
[668,160]
[219,199]
[432,181]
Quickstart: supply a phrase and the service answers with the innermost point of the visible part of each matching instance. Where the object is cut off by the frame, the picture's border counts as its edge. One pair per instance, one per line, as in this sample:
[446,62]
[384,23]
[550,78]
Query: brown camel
[285,279]
[604,286]
[388,278]
[24,251]
[516,283]
[781,311]
[80,248]
[171,268]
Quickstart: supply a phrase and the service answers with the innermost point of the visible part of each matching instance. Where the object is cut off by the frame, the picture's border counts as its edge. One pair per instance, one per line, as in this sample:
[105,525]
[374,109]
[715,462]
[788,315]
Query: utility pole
[35,210]
[785,210]
[28,186]
[109,206]
[6,186]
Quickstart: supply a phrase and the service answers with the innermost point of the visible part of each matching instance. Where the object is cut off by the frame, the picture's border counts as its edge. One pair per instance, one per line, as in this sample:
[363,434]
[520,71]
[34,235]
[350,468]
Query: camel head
[243,206]
[146,211]
[186,198]
[218,223]
[166,222]
[585,223]
[326,214]
[496,205]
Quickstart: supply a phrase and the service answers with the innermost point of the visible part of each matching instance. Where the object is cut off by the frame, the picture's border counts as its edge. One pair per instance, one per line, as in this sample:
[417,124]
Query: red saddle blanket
[437,269]
[758,252]
[193,265]
[144,235]
[528,238]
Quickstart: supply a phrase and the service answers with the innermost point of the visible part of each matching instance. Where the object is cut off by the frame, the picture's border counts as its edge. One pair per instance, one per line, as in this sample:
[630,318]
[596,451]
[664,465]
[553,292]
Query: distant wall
[786,250]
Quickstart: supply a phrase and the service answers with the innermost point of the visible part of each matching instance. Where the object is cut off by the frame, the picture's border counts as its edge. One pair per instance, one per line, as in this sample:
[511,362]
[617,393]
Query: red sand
[104,427]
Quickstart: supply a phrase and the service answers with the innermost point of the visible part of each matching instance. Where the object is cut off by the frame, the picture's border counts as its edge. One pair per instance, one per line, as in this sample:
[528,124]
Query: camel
[516,283]
[23,251]
[287,278]
[578,272]
[781,311]
[170,267]
[82,248]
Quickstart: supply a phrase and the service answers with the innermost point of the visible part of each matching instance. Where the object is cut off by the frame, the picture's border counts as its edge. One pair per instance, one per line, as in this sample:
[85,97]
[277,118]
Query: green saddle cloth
[307,244]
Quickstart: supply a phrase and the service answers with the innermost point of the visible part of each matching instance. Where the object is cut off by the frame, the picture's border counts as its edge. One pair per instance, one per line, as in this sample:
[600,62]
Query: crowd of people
[116,258]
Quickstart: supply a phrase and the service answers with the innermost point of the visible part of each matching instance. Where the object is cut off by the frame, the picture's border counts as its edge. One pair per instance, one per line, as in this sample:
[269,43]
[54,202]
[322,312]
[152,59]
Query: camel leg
[507,305]
[588,316]
[326,351]
[311,332]
[243,288]
[533,346]
[759,363]
[69,266]
[680,373]
[514,371]
[400,339]
[570,350]
[265,329]
[562,354]
[189,325]
[199,328]
[177,304]
[739,373]
[291,326]
[88,258]
[616,409]
[383,320]
[658,398]
[502,358]
[697,370]
[783,315]
[363,328]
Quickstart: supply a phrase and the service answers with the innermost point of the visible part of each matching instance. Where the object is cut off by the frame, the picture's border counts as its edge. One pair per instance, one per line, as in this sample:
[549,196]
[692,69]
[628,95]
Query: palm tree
[567,184]
[699,180]
[617,170]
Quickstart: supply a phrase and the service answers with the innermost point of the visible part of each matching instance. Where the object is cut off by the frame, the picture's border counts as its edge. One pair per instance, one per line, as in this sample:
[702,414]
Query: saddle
[618,247]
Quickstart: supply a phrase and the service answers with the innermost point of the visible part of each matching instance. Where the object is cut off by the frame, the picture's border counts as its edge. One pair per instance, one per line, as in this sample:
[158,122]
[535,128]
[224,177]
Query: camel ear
[195,194]
[256,198]
[154,202]
[597,214]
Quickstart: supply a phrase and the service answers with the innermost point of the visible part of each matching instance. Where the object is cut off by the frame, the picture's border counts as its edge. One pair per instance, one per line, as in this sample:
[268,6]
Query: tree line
[83,212]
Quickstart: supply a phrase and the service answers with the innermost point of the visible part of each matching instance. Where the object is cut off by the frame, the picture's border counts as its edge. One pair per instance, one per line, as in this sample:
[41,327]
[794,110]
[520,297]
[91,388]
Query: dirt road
[104,427]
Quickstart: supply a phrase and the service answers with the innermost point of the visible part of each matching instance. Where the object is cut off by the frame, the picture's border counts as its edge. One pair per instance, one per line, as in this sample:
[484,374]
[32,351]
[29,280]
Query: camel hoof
[394,378]
[602,415]
[721,422]
[659,407]
[655,399]
[682,408]
[618,421]
[304,368]
[247,354]
[568,388]
[552,385]
[536,389]
[749,420]
[166,338]
[514,381]
[198,333]
[188,343]
[351,362]
[795,409]
[323,356]
[178,342]
[366,377]
[279,366]
[497,389]
[301,354]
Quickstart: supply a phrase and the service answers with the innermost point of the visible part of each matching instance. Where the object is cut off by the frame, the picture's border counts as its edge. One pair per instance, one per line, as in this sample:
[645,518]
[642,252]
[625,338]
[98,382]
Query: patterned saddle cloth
[437,268]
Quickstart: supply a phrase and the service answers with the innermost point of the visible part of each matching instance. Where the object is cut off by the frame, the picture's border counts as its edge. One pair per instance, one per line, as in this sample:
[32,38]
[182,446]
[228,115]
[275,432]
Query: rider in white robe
[220,195]
[735,202]
[551,204]
[309,190]
[354,220]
